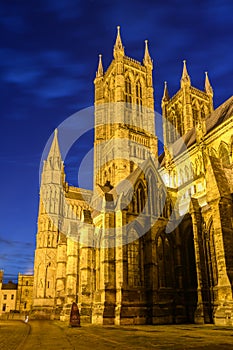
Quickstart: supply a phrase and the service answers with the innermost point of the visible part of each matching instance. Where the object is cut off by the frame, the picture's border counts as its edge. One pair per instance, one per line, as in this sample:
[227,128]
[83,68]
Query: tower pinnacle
[147,59]
[166,96]
[208,87]
[118,50]
[53,169]
[185,79]
[100,70]
[54,151]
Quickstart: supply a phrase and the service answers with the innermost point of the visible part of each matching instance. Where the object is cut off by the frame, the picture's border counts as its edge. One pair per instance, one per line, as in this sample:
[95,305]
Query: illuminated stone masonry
[153,242]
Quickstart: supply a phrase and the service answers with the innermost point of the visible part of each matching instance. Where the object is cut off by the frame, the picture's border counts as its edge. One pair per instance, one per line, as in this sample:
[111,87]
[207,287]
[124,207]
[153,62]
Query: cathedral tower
[186,109]
[49,218]
[124,115]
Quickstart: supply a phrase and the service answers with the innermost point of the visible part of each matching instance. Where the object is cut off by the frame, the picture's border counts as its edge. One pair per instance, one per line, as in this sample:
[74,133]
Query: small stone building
[8,293]
[24,293]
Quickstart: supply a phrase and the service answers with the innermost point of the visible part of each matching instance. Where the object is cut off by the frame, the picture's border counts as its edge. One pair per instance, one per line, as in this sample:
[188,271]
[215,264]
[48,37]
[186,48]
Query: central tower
[124,116]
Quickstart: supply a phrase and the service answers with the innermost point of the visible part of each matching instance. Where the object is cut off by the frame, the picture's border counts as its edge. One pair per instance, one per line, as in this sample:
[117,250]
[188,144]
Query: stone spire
[209,91]
[54,151]
[185,79]
[118,50]
[147,59]
[53,169]
[100,70]
[166,96]
[208,87]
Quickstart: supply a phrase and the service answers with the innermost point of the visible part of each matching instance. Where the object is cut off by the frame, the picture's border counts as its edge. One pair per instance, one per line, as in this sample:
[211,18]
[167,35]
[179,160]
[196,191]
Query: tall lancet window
[165,262]
[140,198]
[224,155]
[139,96]
[195,114]
[134,253]
[128,90]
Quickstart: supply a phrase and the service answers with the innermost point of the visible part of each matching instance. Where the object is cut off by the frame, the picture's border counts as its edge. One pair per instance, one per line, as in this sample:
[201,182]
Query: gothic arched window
[134,254]
[111,91]
[178,122]
[211,261]
[202,112]
[224,155]
[195,114]
[128,90]
[161,202]
[152,194]
[139,96]
[165,262]
[161,274]
[140,198]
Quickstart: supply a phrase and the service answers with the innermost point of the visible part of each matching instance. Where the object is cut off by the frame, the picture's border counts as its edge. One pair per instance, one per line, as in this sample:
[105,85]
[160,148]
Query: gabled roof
[130,181]
[217,117]
[216,179]
[80,194]
[220,115]
[9,286]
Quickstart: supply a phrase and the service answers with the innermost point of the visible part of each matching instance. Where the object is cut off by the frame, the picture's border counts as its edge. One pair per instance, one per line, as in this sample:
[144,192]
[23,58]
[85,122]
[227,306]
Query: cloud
[15,255]
[50,74]
[64,9]
[22,76]
[53,57]
[14,23]
[13,243]
[57,87]
[20,68]
[12,159]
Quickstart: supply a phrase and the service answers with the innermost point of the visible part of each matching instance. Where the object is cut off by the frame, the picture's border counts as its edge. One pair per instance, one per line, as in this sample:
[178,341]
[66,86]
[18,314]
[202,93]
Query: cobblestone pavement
[12,334]
[151,337]
[49,335]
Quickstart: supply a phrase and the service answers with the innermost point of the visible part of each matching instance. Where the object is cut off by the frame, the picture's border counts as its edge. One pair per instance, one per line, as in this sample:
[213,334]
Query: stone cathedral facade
[153,242]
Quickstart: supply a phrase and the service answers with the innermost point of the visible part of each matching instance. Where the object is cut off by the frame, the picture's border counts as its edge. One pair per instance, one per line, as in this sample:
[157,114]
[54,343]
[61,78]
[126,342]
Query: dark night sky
[48,58]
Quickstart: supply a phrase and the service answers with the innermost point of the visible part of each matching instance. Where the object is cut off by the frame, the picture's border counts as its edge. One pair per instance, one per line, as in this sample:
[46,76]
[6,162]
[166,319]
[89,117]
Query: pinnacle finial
[100,70]
[185,72]
[147,59]
[54,149]
[118,47]
[208,87]
[166,96]
[185,79]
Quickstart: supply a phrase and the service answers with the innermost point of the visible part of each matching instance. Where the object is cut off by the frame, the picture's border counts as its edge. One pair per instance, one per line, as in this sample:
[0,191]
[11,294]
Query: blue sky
[49,52]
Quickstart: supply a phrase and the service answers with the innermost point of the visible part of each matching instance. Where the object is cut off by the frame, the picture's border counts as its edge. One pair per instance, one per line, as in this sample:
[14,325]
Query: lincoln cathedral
[152,243]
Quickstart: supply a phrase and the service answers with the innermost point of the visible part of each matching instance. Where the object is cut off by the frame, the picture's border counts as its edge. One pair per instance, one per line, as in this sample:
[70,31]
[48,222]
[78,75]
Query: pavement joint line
[111,341]
[19,347]
[16,335]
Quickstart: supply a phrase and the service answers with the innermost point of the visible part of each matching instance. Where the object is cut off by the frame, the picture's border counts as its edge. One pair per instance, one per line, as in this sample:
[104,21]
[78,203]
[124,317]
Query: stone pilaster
[199,316]
[61,272]
[120,263]
[86,271]
[71,278]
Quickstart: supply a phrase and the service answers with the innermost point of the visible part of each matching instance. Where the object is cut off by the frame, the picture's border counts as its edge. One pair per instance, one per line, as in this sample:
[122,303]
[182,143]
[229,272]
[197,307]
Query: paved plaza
[49,335]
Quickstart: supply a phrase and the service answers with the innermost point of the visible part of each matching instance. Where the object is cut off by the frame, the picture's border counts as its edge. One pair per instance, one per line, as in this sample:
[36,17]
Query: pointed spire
[147,59]
[100,70]
[53,169]
[118,47]
[185,79]
[208,87]
[54,151]
[166,96]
